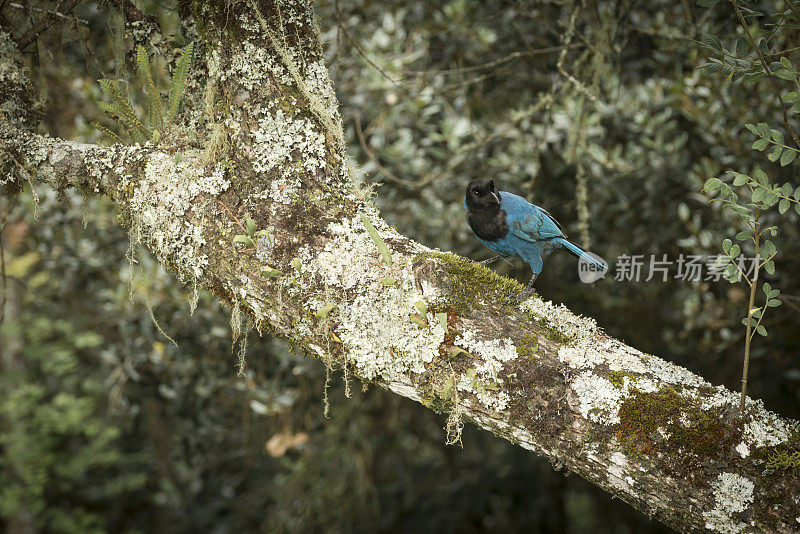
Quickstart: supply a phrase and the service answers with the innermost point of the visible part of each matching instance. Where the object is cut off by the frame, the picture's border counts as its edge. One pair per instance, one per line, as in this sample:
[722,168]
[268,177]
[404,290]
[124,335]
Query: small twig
[792,9]
[3,273]
[786,299]
[232,216]
[371,156]
[43,23]
[750,330]
[493,63]
[358,47]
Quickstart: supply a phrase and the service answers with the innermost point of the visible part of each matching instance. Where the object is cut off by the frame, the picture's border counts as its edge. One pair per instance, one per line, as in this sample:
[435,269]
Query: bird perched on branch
[512,227]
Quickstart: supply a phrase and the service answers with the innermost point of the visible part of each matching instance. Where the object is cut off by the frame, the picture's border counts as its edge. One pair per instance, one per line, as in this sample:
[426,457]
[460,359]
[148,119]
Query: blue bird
[512,227]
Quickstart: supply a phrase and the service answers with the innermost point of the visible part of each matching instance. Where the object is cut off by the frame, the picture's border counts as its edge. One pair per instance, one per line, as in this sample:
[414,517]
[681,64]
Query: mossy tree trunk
[259,138]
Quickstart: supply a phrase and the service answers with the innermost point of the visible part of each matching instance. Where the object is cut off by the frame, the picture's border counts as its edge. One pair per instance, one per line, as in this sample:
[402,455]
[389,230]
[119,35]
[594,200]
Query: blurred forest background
[602,112]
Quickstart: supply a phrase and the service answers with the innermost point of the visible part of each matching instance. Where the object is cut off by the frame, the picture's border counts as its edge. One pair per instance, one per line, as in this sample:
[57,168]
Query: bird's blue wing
[528,221]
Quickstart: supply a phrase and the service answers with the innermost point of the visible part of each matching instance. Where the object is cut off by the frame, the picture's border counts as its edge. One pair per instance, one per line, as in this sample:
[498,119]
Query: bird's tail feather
[578,252]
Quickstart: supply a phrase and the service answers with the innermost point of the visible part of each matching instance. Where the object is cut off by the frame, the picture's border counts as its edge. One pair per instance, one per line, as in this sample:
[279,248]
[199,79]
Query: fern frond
[125,119]
[155,113]
[102,129]
[122,108]
[178,84]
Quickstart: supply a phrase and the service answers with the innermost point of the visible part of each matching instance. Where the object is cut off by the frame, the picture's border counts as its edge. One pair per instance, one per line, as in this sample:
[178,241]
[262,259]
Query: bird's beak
[496,197]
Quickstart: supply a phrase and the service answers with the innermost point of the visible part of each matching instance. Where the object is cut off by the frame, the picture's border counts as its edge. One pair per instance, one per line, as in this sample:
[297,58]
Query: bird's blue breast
[504,246]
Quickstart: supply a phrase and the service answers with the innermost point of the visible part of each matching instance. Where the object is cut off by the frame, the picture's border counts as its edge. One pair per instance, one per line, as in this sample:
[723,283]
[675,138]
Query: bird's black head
[482,196]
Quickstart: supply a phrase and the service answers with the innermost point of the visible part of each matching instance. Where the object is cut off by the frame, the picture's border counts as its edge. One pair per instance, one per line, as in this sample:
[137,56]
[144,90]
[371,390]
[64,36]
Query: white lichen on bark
[732,495]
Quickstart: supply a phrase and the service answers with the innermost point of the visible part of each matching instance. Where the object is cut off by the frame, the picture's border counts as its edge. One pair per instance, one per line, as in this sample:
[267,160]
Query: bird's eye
[476,193]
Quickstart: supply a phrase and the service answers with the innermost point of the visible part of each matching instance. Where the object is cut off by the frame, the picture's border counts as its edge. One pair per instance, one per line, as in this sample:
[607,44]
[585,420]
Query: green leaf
[768,248]
[775,154]
[796,194]
[785,74]
[102,129]
[711,40]
[244,239]
[760,145]
[767,288]
[797,208]
[324,310]
[752,128]
[120,110]
[416,319]
[454,351]
[390,281]
[250,224]
[735,250]
[297,265]
[742,46]
[447,391]
[770,267]
[741,179]
[773,303]
[726,245]
[792,96]
[759,194]
[442,318]
[422,307]
[743,236]
[155,113]
[777,136]
[787,157]
[269,272]
[784,205]
[762,128]
[786,63]
[379,242]
[761,177]
[712,184]
[761,330]
[178,84]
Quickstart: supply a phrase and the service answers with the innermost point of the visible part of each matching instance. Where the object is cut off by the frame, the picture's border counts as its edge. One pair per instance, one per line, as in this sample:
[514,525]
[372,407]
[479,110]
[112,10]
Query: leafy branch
[763,196]
[751,59]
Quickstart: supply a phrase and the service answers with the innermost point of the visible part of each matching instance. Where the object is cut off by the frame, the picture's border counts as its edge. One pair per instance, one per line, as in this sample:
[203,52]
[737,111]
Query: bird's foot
[488,262]
[524,294]
[518,298]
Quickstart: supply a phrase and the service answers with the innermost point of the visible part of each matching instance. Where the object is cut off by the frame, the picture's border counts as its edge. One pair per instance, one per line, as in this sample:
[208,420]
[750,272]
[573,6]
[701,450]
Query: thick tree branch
[429,326]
